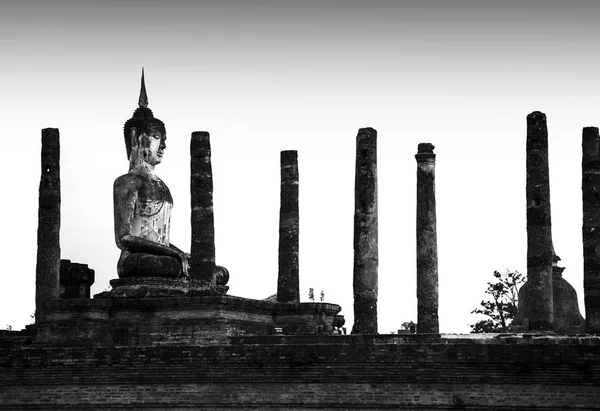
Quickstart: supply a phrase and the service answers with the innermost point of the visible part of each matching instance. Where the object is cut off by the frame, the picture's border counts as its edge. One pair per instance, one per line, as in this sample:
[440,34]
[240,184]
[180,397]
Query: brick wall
[327,372]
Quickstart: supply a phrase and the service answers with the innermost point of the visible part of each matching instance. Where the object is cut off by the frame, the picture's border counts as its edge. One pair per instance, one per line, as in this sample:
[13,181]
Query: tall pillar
[539,223]
[48,251]
[590,186]
[365,233]
[288,282]
[202,261]
[427,259]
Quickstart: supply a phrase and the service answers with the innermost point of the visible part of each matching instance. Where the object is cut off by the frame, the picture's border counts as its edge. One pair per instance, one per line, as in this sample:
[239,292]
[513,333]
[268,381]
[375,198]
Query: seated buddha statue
[143,202]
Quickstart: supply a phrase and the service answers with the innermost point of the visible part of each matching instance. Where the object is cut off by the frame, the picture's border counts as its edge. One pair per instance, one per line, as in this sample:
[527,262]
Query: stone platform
[142,287]
[146,287]
[177,319]
[336,372]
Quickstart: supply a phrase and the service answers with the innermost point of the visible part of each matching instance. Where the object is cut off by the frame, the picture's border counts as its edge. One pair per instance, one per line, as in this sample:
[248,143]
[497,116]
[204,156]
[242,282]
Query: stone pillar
[539,234]
[365,233]
[202,261]
[48,252]
[427,259]
[288,282]
[591,228]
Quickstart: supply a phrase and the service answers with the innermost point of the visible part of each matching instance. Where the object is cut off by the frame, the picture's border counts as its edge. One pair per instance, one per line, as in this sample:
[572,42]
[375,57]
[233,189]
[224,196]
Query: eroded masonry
[151,266]
[168,335]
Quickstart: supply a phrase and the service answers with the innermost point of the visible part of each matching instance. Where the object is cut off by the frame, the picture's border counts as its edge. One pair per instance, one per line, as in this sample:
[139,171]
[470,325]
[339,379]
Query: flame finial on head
[143,102]
[143,119]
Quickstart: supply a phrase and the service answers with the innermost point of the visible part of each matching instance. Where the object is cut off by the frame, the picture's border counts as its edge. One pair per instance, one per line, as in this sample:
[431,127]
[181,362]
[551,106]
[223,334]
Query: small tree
[409,325]
[502,309]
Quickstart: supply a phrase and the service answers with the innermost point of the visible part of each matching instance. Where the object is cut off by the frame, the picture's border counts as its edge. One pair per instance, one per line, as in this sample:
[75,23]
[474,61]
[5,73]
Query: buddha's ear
[132,137]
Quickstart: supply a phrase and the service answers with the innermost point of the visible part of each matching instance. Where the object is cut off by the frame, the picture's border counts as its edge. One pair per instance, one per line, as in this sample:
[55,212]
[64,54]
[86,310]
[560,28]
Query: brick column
[288,282]
[365,233]
[590,186]
[539,223]
[427,259]
[48,251]
[202,262]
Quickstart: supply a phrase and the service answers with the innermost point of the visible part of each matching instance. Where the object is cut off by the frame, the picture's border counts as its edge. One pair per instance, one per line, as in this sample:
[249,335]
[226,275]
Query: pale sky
[265,76]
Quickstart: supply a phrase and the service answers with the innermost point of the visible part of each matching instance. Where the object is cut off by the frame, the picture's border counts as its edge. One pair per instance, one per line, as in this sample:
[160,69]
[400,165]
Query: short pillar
[75,280]
[591,227]
[48,241]
[539,223]
[365,233]
[427,258]
[288,282]
[202,261]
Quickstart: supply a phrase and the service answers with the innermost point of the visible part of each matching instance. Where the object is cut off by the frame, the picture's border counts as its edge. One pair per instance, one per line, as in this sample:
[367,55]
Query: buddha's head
[144,134]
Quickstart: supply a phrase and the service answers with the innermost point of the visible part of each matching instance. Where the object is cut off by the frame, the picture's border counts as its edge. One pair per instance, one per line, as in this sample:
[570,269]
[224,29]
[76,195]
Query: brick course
[309,372]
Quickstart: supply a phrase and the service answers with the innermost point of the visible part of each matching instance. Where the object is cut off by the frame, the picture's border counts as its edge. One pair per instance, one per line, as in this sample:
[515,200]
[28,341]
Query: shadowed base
[148,265]
[141,287]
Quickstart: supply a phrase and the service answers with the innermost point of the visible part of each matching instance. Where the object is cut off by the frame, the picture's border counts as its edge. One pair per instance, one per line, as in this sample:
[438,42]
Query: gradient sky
[266,76]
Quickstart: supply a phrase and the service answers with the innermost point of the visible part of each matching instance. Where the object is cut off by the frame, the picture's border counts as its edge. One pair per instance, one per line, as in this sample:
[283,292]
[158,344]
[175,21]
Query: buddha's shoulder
[130,181]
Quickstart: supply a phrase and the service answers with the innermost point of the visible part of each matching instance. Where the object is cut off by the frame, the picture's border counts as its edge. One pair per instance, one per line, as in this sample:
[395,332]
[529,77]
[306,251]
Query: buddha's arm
[184,259]
[137,244]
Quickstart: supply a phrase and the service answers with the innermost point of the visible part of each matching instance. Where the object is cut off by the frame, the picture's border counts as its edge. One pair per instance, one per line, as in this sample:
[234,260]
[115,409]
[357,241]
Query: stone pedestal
[427,259]
[112,319]
[143,287]
[366,258]
[306,318]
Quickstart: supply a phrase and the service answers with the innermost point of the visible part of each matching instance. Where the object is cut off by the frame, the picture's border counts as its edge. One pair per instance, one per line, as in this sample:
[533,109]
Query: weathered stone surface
[143,202]
[366,257]
[427,259]
[305,318]
[316,372]
[153,311]
[288,281]
[48,240]
[221,275]
[202,261]
[591,227]
[145,287]
[566,316]
[137,265]
[75,280]
[539,235]
[339,321]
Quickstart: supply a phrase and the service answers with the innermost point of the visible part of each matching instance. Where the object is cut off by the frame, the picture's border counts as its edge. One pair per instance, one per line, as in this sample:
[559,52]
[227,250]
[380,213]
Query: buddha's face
[152,147]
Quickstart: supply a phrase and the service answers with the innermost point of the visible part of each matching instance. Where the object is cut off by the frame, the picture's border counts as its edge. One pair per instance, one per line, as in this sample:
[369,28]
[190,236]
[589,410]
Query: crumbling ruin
[547,302]
[156,275]
[590,186]
[366,257]
[168,336]
[48,242]
[427,260]
[288,281]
